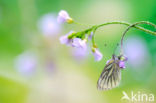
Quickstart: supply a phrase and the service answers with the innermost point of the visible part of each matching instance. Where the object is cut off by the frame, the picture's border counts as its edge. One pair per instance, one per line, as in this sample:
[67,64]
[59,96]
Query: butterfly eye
[122,58]
[119,57]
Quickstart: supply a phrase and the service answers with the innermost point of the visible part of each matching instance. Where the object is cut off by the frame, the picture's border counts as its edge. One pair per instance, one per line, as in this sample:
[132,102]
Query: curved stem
[95,27]
[128,24]
[134,25]
[93,41]
[87,25]
[114,22]
[146,22]
[121,52]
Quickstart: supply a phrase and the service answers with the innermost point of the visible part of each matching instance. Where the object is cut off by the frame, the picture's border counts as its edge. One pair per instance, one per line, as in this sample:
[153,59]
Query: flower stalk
[134,25]
[90,32]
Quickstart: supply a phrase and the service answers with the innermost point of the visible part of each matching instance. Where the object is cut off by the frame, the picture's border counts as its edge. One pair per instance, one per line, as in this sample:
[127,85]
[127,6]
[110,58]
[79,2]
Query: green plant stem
[86,25]
[95,27]
[133,25]
[128,24]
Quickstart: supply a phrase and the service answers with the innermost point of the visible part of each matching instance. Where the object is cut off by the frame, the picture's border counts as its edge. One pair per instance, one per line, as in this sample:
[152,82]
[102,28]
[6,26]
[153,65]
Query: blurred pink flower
[50,66]
[48,25]
[79,43]
[79,53]
[26,63]
[136,51]
[122,61]
[63,16]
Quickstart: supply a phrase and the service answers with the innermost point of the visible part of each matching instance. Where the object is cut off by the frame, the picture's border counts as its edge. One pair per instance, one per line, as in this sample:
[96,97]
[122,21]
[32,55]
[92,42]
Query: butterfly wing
[110,76]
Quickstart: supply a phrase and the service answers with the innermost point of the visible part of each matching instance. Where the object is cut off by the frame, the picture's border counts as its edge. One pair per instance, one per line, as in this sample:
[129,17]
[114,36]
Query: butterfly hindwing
[110,76]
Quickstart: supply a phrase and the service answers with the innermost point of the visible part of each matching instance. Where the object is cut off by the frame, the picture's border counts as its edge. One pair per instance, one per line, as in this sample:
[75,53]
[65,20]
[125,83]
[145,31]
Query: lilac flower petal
[76,42]
[97,55]
[122,64]
[63,16]
[79,53]
[79,43]
[61,19]
[65,40]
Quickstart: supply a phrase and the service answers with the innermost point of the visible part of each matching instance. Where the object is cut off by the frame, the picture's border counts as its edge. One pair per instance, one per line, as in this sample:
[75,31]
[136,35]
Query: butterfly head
[122,58]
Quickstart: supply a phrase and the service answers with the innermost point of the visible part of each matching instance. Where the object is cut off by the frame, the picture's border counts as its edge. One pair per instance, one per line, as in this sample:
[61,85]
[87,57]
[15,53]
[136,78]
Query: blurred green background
[56,75]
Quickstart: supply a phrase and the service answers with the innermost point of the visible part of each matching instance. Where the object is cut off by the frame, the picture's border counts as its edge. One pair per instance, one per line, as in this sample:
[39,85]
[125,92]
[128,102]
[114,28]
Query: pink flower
[97,54]
[79,43]
[26,63]
[64,17]
[48,25]
[79,54]
[65,40]
[122,64]
[136,50]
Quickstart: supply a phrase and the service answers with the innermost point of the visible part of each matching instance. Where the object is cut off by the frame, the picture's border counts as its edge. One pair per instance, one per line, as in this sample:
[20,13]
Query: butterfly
[111,75]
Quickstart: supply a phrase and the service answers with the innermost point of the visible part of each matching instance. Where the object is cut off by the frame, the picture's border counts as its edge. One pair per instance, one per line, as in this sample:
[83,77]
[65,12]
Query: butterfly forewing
[110,76]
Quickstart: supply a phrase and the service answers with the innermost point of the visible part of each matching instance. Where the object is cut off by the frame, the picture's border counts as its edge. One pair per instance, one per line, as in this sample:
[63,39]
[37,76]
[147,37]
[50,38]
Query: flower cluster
[78,39]
[71,39]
